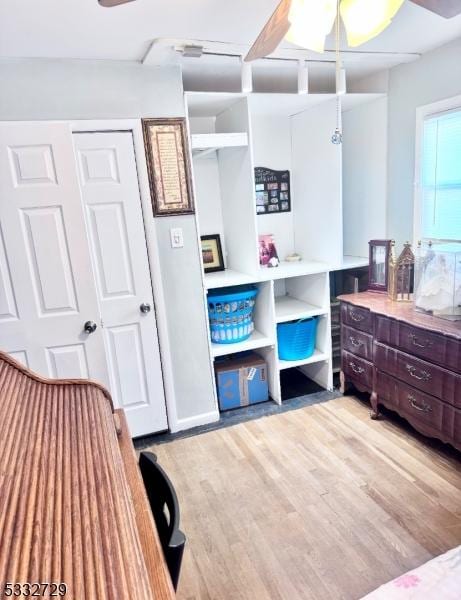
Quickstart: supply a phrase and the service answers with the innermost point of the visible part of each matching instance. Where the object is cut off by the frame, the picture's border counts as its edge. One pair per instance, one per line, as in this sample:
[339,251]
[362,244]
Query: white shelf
[256,340]
[316,357]
[284,105]
[226,278]
[205,143]
[211,104]
[290,309]
[293,269]
[352,262]
[284,271]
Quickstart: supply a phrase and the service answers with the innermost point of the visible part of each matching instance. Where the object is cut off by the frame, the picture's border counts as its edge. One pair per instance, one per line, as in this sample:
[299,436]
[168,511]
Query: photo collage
[272,191]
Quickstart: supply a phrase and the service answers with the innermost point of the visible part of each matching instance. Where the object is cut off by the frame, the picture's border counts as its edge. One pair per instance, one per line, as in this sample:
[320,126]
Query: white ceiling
[83,29]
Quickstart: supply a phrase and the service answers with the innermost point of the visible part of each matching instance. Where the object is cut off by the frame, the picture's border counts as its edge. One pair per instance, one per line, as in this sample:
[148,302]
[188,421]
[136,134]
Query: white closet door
[47,290]
[115,224]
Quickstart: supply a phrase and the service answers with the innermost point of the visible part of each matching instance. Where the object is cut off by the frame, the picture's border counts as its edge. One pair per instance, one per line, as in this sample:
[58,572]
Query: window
[440,177]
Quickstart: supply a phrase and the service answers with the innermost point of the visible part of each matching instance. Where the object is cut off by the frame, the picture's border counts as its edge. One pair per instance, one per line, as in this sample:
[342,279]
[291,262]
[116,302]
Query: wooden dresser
[74,513]
[408,361]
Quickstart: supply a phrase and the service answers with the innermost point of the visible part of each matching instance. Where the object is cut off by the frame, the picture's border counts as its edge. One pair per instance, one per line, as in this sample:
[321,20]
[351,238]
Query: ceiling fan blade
[272,34]
[109,3]
[444,8]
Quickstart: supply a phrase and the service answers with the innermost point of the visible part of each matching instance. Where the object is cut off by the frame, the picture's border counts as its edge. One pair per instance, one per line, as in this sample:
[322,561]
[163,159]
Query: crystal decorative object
[438,280]
[337,137]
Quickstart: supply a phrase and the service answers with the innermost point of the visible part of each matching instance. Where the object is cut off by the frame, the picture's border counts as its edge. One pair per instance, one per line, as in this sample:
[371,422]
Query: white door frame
[135,127]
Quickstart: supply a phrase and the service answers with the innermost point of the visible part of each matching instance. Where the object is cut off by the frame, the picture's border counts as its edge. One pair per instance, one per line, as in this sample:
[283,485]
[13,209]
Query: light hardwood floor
[314,503]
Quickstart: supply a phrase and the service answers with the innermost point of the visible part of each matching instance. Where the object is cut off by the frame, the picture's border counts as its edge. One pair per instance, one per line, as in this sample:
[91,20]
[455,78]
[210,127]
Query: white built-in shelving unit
[231,134]
[206,143]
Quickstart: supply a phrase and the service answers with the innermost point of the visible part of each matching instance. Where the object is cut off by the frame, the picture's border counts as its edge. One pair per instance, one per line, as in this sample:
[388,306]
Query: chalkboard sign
[272,191]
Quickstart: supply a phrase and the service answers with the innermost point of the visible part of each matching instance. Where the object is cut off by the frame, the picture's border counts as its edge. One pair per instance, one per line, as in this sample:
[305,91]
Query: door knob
[90,327]
[145,308]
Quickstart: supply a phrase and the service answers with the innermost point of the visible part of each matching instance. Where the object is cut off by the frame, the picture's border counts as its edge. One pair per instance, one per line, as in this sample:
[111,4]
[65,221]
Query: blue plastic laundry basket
[230,311]
[296,339]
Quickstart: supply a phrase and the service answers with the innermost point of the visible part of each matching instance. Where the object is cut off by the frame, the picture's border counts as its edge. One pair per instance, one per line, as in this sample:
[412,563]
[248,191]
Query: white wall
[208,197]
[272,149]
[79,89]
[76,89]
[435,76]
[317,166]
[364,176]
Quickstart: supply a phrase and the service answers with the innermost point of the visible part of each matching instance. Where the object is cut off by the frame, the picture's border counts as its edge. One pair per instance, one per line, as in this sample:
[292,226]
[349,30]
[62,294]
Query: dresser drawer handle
[423,344]
[356,343]
[424,408]
[356,317]
[356,369]
[424,375]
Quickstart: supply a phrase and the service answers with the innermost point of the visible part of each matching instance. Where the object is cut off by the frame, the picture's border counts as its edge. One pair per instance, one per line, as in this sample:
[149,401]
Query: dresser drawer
[357,317]
[357,342]
[357,369]
[420,374]
[413,404]
[437,348]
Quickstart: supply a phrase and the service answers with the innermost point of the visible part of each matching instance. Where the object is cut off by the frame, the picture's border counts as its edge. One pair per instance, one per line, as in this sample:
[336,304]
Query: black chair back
[162,495]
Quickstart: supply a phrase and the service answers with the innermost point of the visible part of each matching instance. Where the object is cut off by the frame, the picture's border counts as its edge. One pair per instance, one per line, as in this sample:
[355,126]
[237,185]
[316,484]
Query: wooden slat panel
[67,514]
[153,555]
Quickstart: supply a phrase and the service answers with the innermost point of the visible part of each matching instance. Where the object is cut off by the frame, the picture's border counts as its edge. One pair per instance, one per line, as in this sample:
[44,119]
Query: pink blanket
[438,579]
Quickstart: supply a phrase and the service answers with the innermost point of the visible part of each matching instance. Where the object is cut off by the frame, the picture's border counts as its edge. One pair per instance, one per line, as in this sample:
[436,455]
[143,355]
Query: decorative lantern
[401,274]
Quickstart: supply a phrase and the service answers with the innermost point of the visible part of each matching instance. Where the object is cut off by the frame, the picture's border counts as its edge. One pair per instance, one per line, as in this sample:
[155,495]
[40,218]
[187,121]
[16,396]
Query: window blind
[441,177]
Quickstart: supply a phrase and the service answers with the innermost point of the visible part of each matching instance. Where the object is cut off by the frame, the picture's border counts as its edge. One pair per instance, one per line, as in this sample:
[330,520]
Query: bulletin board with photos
[272,191]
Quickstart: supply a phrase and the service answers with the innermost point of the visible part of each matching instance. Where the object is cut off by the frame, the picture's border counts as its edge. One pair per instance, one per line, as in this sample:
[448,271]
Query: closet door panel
[110,193]
[47,288]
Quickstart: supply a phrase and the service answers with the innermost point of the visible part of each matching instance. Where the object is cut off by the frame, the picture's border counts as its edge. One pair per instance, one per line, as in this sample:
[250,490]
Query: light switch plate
[176,236]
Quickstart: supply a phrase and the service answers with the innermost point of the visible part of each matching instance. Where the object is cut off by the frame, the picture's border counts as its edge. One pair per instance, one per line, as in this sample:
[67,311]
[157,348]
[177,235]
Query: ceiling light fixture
[364,20]
[312,20]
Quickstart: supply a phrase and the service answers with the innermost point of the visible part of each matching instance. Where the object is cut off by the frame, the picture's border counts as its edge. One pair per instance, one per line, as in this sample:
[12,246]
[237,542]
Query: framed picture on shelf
[212,255]
[272,191]
[378,270]
[168,164]
[268,256]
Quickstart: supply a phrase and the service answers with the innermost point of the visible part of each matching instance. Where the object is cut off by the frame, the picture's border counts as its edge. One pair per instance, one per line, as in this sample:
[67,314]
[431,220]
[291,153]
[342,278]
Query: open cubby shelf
[256,340]
[227,278]
[285,270]
[291,309]
[318,356]
[337,198]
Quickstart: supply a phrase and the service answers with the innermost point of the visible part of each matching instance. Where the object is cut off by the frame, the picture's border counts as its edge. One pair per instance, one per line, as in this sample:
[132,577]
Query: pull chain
[337,137]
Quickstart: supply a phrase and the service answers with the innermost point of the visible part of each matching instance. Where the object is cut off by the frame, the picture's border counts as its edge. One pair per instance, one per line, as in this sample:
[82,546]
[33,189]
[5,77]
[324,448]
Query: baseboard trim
[196,421]
[237,416]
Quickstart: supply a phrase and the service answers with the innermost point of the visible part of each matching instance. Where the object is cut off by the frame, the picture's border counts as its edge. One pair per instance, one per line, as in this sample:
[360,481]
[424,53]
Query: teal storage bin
[296,339]
[230,311]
